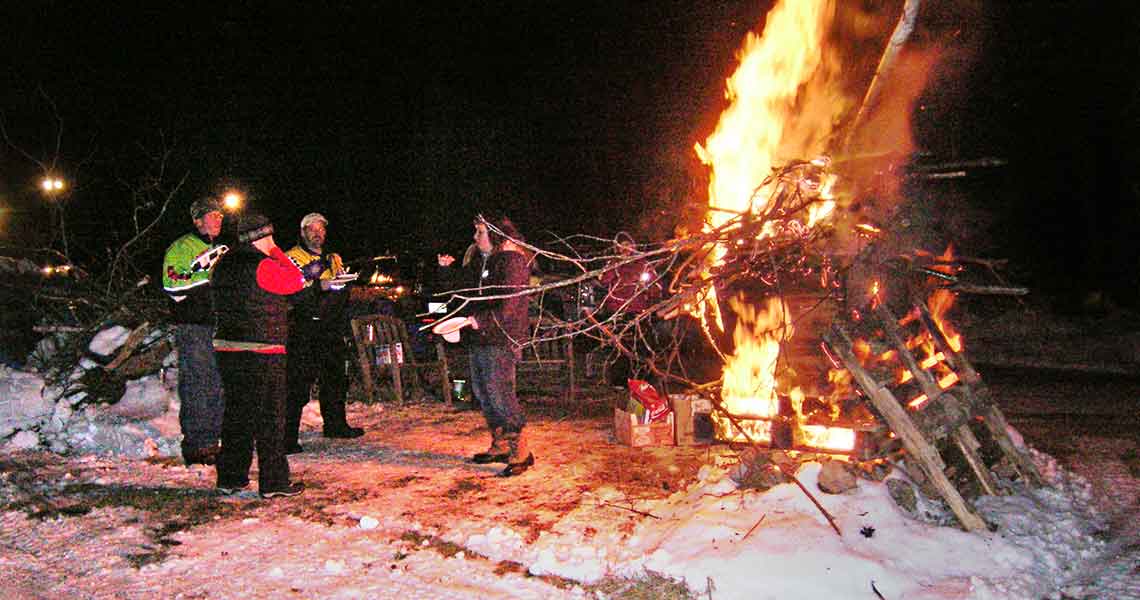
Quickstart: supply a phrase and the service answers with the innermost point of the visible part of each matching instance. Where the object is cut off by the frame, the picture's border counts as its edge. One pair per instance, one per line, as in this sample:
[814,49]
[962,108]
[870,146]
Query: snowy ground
[399,513]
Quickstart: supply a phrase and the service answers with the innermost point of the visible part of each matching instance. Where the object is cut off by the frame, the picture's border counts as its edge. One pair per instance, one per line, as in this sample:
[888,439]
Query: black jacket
[246,312]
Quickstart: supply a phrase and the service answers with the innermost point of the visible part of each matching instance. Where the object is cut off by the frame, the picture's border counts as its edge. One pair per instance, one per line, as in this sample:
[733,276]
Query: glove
[313,270]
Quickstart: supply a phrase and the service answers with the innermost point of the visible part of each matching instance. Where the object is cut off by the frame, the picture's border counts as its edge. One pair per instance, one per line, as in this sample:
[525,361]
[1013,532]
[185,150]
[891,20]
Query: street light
[232,201]
[52,185]
[54,189]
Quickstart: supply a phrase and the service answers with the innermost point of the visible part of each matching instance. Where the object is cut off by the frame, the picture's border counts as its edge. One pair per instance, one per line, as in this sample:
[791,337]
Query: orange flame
[750,375]
[780,73]
[939,303]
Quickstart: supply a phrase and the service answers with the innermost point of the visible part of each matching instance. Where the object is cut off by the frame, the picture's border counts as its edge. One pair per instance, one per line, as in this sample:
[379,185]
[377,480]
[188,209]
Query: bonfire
[806,234]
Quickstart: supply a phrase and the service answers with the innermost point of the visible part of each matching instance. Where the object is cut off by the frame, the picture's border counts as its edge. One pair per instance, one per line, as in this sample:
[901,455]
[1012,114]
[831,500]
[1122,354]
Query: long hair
[470,254]
[506,226]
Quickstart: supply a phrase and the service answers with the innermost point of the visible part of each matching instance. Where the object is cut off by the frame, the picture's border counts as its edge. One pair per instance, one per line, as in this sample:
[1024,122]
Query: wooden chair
[383,350]
[550,353]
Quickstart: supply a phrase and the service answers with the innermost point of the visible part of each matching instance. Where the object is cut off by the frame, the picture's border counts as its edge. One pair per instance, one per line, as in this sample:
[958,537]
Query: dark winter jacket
[502,322]
[250,290]
[631,287]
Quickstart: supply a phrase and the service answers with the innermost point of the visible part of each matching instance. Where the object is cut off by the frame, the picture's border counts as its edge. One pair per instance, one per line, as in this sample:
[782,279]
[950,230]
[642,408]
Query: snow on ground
[400,513]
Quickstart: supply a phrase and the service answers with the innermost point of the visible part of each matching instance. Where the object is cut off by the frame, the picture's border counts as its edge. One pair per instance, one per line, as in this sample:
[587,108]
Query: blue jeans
[493,384]
[199,386]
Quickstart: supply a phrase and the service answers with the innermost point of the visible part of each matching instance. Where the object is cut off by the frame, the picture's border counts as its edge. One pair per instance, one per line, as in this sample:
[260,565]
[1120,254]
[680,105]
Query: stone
[836,478]
[24,440]
[143,398]
[903,494]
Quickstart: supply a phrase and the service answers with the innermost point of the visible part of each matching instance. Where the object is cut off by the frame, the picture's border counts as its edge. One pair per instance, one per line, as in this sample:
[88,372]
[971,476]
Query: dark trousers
[199,386]
[255,415]
[316,352]
[493,384]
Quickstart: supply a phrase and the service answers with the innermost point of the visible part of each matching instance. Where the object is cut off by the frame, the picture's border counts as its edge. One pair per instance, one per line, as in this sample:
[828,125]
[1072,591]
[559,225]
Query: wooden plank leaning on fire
[927,456]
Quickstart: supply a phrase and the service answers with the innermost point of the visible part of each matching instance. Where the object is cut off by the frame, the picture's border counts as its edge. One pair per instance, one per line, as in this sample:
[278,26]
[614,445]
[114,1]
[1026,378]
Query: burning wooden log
[945,409]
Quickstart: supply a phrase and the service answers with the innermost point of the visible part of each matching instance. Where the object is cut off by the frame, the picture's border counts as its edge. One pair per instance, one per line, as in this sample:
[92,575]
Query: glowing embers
[787,429]
[837,439]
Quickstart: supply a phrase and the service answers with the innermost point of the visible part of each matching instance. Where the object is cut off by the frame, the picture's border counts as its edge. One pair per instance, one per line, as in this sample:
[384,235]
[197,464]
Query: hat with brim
[448,329]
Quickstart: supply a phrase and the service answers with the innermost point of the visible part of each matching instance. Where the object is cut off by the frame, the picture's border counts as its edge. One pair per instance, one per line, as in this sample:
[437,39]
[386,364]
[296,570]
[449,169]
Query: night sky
[400,120]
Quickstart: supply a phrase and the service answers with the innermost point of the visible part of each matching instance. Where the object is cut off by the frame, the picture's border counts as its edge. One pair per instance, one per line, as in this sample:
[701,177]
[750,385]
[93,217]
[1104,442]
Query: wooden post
[445,373]
[359,330]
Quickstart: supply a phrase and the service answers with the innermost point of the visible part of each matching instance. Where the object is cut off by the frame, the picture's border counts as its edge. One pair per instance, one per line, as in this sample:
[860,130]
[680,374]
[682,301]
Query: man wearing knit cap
[317,326]
[251,284]
[187,267]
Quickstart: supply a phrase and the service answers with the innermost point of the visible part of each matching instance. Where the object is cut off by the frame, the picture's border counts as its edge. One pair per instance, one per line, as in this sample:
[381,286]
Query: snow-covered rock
[23,401]
[144,398]
[108,340]
[113,435]
[24,440]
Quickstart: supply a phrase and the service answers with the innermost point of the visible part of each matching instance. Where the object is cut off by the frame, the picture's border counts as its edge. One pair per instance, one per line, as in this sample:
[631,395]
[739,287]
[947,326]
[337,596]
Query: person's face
[264,245]
[482,238]
[210,225]
[314,234]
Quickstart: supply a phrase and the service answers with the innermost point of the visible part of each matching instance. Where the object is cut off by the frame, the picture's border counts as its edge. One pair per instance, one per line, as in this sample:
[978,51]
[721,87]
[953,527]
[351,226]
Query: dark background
[399,121]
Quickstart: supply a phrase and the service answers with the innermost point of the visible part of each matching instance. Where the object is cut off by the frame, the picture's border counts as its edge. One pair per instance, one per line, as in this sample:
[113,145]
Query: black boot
[499,451]
[520,459]
[201,456]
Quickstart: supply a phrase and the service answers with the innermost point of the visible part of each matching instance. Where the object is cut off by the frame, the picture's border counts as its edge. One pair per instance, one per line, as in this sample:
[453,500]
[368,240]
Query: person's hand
[334,263]
[313,270]
[445,260]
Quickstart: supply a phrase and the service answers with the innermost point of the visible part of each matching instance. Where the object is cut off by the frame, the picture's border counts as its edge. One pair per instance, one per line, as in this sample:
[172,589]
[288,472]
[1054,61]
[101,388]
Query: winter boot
[498,452]
[520,458]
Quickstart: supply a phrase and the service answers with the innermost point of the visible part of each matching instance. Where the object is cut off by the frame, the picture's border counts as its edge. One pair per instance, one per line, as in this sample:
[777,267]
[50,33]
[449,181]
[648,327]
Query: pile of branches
[69,311]
[766,250]
[769,245]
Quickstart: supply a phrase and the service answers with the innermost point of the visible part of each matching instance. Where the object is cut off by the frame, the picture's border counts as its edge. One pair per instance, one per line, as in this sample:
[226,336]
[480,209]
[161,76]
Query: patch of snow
[144,398]
[24,440]
[108,340]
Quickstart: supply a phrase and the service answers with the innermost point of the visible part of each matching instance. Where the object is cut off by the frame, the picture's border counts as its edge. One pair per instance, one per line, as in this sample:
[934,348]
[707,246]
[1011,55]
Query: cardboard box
[694,421]
[628,431]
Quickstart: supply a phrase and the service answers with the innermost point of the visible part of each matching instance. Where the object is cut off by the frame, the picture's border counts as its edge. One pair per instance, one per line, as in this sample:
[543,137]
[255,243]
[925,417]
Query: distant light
[48,270]
[52,185]
[232,201]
